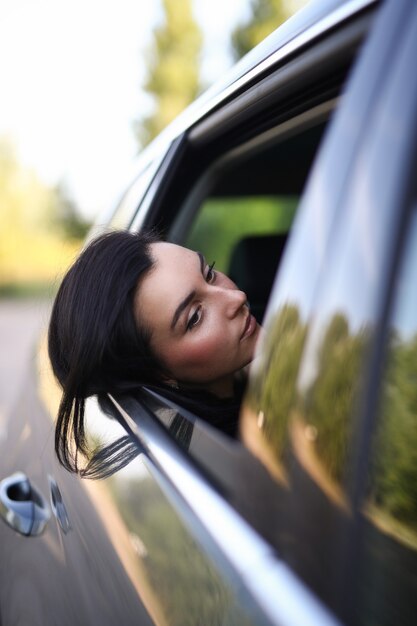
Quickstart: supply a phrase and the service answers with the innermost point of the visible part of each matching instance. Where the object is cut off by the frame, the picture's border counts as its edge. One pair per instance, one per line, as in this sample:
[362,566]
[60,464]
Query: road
[89,573]
[21,323]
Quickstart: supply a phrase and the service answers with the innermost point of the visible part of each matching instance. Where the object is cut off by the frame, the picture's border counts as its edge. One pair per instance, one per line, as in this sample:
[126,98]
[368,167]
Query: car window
[223,222]
[388,563]
[312,389]
[242,216]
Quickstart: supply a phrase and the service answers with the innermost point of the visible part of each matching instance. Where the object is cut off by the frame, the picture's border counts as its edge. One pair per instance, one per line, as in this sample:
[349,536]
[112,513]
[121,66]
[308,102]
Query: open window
[235,188]
[242,208]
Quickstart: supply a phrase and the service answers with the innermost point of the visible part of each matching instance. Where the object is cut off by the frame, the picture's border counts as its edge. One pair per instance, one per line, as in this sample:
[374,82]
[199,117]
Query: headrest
[253,266]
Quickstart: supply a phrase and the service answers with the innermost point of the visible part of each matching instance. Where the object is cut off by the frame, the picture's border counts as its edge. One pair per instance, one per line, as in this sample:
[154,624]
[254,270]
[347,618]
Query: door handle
[22,506]
[58,506]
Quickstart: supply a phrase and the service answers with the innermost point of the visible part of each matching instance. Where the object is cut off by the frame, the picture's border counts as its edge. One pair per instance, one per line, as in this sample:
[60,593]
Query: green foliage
[394,471]
[223,222]
[273,386]
[330,400]
[32,251]
[327,403]
[266,16]
[24,200]
[173,68]
[66,216]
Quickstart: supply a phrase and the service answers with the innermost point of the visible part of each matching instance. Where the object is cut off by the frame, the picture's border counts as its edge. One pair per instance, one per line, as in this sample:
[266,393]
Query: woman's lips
[250,327]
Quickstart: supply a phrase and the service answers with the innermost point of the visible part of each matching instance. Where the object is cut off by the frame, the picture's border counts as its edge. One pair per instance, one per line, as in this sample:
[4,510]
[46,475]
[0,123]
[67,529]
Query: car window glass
[306,406]
[320,395]
[293,405]
[185,578]
[388,578]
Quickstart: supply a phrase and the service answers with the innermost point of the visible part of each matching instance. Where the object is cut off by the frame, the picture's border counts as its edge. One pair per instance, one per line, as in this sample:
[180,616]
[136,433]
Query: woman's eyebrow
[183,305]
[202,262]
[180,308]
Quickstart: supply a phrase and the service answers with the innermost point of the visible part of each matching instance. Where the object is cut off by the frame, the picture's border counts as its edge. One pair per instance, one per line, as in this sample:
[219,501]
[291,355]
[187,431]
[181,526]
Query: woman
[136,311]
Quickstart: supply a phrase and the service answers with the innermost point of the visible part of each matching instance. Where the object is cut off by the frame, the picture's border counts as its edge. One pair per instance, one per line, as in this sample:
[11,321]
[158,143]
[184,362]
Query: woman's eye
[211,274]
[194,319]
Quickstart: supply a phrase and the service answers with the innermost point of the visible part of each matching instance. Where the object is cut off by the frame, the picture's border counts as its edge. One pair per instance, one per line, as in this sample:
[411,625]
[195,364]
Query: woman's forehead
[169,281]
[164,253]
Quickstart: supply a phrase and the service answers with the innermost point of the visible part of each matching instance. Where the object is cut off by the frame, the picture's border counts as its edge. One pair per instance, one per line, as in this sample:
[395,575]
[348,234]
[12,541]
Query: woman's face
[201,327]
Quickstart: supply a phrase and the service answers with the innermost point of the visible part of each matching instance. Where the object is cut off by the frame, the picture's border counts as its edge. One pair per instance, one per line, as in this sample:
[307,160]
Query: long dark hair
[96,347]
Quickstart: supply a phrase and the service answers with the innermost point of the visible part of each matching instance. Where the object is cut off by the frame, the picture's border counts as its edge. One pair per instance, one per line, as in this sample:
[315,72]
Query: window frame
[279,88]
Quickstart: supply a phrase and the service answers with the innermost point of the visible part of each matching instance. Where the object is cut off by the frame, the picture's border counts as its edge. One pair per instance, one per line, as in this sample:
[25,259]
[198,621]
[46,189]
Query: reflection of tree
[273,387]
[394,471]
[329,401]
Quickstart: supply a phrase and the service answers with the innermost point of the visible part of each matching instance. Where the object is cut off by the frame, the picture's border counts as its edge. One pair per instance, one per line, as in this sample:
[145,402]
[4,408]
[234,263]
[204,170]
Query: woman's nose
[233,300]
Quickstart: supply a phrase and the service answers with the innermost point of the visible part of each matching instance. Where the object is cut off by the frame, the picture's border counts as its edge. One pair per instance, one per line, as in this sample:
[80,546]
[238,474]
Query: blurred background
[85,86]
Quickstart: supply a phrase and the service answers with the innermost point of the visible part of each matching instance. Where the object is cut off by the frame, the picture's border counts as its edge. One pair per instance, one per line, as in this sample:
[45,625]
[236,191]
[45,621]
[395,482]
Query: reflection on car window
[312,420]
[327,403]
[184,586]
[388,582]
[272,385]
[311,392]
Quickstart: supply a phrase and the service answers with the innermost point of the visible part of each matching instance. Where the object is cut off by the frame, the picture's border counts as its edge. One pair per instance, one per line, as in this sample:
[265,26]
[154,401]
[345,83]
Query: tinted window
[388,581]
[311,393]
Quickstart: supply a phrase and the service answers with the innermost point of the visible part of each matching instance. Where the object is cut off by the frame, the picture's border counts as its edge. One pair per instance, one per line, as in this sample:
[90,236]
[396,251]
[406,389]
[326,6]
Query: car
[296,172]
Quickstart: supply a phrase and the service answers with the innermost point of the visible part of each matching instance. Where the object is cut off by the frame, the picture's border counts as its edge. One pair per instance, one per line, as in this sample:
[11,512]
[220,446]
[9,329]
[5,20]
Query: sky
[71,75]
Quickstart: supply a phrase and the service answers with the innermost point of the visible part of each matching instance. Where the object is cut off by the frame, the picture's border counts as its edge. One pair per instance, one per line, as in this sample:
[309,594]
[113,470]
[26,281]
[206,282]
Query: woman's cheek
[201,352]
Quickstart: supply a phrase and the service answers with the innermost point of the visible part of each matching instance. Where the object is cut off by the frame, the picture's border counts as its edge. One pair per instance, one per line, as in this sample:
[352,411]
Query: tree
[173,68]
[32,251]
[23,198]
[266,16]
[66,216]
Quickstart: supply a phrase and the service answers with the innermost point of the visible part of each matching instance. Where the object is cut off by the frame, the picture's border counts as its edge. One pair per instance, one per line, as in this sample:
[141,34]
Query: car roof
[326,12]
